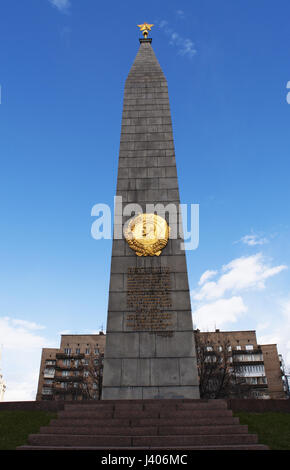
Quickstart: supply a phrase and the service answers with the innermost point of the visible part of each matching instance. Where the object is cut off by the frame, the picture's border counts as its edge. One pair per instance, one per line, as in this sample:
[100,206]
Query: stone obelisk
[150,350]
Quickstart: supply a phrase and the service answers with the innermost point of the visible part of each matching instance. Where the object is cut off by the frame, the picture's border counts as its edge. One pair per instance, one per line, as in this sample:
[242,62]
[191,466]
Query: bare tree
[219,376]
[92,377]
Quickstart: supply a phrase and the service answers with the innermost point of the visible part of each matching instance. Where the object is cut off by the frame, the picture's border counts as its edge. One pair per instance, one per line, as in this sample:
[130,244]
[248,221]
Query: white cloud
[206,275]
[19,335]
[278,331]
[163,24]
[61,5]
[21,346]
[253,240]
[22,391]
[263,325]
[245,273]
[185,46]
[210,315]
[65,332]
[25,324]
[219,302]
[180,14]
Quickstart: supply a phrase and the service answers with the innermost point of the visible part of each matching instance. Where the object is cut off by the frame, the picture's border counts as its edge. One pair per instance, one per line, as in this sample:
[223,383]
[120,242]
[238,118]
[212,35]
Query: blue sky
[63,68]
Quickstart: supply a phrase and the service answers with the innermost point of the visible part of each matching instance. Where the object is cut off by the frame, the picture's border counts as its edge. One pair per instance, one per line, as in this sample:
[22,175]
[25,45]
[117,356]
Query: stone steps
[148,405]
[145,424]
[134,422]
[187,448]
[156,413]
[143,430]
[72,440]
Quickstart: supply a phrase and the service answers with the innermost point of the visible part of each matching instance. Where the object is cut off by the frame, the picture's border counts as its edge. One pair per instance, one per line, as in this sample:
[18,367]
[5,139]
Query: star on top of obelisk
[145,28]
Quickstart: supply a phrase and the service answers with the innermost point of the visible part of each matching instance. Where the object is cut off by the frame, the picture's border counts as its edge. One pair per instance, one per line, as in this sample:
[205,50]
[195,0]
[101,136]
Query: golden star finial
[145,28]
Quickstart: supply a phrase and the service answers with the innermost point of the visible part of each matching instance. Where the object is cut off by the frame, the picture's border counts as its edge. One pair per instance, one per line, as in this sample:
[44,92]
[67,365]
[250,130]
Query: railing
[69,378]
[71,367]
[63,355]
[247,351]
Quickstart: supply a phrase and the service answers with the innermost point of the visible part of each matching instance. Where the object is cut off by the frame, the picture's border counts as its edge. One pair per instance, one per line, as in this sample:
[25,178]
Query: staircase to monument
[145,424]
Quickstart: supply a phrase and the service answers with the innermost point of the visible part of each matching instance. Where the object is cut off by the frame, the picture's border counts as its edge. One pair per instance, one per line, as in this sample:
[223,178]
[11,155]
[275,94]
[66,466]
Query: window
[248,357]
[67,351]
[210,359]
[252,380]
[96,351]
[262,380]
[66,362]
[65,373]
[249,347]
[48,372]
[78,351]
[229,348]
[253,370]
[87,350]
[50,363]
[86,373]
[238,347]
[209,348]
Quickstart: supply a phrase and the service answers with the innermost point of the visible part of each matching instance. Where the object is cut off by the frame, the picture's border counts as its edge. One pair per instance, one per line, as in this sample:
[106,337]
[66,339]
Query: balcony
[47,375]
[247,363]
[67,391]
[69,356]
[70,368]
[247,351]
[69,378]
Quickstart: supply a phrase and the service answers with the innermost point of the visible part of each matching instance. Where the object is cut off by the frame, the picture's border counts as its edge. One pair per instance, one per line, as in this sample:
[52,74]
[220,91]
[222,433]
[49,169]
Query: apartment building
[73,371]
[258,366]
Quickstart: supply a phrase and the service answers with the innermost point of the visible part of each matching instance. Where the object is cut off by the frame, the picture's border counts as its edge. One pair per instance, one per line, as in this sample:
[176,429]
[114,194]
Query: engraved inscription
[148,295]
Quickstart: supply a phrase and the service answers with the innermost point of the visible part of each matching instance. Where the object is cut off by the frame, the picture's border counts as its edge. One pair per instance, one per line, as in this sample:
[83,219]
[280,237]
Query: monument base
[146,393]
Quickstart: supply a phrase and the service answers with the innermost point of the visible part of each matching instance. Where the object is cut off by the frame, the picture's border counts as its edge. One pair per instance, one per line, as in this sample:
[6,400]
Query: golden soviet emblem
[147,234]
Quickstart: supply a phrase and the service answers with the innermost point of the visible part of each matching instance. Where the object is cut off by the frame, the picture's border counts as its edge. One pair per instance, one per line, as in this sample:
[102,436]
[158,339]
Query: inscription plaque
[149,296]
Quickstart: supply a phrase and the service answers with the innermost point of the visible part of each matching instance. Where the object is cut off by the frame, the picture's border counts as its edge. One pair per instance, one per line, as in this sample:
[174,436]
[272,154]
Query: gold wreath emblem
[147,234]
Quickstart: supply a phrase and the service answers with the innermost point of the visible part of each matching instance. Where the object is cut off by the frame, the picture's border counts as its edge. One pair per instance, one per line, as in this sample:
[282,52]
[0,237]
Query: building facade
[275,371]
[258,367]
[73,371]
[66,372]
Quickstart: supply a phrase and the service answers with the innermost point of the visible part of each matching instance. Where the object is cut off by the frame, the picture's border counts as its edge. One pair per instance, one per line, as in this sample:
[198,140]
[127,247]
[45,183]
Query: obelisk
[150,350]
